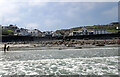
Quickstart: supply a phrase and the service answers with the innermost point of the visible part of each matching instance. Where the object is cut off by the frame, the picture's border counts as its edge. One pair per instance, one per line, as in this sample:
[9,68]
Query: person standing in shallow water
[5,46]
[8,48]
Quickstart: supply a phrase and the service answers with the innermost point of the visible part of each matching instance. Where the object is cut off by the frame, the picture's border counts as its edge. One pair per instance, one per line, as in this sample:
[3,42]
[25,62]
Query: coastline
[62,44]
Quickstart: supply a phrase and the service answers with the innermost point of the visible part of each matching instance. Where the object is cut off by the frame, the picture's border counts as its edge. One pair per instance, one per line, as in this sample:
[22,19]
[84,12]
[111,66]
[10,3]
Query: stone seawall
[82,37]
[24,38]
[96,37]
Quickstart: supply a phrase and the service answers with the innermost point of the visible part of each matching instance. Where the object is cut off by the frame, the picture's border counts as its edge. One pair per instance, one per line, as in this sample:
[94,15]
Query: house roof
[12,26]
[5,26]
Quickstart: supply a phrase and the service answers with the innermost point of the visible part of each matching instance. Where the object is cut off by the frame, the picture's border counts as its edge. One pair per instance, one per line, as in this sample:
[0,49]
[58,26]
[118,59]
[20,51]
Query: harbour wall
[81,37]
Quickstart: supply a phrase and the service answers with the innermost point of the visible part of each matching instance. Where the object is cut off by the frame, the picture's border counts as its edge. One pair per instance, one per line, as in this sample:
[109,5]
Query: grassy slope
[108,28]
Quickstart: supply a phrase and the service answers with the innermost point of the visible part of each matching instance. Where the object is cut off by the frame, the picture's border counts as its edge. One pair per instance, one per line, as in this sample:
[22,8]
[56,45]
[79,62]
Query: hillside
[109,28]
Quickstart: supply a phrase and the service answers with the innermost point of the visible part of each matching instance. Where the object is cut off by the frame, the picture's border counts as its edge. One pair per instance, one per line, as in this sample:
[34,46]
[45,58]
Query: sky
[48,15]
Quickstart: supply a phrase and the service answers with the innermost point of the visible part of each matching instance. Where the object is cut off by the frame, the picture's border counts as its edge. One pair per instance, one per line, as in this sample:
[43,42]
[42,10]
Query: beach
[78,44]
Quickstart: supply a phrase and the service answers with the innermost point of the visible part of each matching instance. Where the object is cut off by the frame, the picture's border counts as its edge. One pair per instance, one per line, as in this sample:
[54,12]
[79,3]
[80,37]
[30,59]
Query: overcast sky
[57,15]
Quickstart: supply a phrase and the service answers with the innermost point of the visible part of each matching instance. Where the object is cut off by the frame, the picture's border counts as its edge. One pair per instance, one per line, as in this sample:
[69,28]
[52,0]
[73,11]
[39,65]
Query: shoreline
[61,44]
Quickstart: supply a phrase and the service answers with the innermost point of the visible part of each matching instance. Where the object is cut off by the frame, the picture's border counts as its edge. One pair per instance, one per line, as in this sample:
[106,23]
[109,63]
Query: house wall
[99,31]
[22,32]
[35,33]
[5,27]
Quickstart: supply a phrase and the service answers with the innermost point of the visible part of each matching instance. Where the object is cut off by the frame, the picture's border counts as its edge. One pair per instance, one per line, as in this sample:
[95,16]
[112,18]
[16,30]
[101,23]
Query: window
[18,31]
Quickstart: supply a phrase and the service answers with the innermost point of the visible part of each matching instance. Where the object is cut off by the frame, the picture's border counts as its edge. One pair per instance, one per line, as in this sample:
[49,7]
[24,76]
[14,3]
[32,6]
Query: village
[16,31]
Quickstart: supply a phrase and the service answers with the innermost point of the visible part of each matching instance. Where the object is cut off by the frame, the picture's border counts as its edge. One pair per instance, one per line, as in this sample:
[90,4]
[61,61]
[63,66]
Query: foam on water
[87,61]
[81,66]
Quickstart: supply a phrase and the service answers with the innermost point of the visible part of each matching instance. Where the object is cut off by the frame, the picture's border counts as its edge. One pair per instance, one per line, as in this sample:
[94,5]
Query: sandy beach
[76,44]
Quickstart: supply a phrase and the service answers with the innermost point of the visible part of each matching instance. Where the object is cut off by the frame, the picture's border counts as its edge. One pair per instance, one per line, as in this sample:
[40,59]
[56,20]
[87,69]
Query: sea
[60,61]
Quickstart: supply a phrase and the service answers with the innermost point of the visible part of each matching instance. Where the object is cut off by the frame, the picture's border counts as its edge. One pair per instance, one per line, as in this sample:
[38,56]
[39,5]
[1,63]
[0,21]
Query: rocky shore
[77,44]
[74,43]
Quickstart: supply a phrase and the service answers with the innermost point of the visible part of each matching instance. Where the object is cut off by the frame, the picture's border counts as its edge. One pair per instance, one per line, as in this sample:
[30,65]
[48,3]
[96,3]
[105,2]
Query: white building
[54,34]
[47,33]
[11,27]
[35,32]
[76,33]
[21,32]
[118,28]
[100,31]
[83,31]
[90,32]
[5,27]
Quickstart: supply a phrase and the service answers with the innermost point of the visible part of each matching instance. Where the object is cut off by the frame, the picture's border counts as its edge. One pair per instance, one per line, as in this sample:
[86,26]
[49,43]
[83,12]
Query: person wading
[5,46]
[8,48]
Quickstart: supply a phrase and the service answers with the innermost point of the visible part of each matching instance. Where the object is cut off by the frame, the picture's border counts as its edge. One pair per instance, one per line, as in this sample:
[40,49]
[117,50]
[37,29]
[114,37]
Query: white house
[90,32]
[118,28]
[47,33]
[21,32]
[83,31]
[11,27]
[113,23]
[35,32]
[5,27]
[54,34]
[100,31]
[76,33]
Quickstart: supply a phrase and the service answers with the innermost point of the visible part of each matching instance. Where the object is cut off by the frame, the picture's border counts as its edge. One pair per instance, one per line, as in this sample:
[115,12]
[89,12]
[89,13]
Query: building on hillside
[5,27]
[47,34]
[100,31]
[85,31]
[82,31]
[35,32]
[113,23]
[90,32]
[21,32]
[11,27]
[66,33]
[76,33]
[54,34]
[117,28]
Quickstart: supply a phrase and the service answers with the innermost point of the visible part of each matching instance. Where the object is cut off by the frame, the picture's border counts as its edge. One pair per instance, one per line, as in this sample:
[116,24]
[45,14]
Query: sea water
[67,61]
